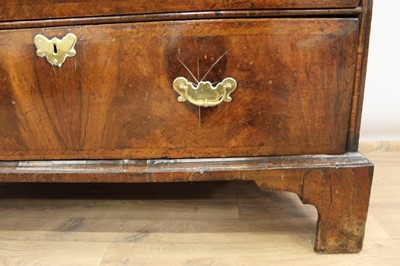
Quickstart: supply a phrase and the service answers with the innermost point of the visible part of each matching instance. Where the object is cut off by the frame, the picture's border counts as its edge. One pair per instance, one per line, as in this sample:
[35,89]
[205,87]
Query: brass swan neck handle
[204,94]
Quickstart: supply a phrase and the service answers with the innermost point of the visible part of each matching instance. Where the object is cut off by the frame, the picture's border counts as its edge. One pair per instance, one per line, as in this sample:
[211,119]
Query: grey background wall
[381,115]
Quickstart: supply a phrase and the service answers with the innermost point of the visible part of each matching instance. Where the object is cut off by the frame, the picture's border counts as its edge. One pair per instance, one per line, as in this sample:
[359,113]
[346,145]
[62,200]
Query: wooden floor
[224,223]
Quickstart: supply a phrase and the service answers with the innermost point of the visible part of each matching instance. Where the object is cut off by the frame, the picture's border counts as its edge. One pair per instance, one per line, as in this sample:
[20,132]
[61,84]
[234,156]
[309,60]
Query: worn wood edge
[202,166]
[364,185]
[359,83]
[340,195]
[179,16]
[169,152]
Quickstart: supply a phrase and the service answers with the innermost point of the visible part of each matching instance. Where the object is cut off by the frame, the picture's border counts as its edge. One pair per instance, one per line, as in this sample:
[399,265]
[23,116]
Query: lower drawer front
[114,99]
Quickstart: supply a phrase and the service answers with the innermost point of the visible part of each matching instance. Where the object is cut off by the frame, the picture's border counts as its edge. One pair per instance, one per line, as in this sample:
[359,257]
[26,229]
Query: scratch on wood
[73,224]
[137,237]
[330,193]
[213,65]
[199,117]
[198,67]
[190,72]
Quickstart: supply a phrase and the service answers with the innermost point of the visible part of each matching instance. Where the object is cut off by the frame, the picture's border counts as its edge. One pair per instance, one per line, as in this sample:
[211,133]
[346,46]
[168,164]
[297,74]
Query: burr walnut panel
[115,98]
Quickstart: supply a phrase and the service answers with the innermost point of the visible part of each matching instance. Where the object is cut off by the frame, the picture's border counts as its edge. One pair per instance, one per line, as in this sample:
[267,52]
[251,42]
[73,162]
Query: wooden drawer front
[115,98]
[34,9]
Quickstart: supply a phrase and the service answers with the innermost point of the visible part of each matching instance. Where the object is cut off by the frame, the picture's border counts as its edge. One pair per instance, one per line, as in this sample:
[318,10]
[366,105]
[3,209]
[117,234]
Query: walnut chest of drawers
[268,91]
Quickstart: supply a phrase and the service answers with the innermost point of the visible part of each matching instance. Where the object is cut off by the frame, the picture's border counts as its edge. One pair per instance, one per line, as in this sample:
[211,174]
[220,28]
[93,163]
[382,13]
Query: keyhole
[55,48]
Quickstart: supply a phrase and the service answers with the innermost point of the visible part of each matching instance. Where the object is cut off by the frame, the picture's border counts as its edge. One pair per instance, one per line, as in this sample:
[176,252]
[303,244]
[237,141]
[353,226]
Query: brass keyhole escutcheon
[55,50]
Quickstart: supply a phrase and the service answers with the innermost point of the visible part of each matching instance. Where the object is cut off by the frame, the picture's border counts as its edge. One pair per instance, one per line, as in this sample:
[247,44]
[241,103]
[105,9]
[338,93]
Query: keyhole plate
[55,50]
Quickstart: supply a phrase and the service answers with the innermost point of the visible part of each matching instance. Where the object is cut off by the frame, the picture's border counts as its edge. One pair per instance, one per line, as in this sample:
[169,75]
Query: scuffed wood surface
[33,9]
[165,170]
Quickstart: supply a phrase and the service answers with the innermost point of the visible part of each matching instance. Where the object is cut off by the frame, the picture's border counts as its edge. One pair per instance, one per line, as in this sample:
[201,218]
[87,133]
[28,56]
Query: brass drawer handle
[204,93]
[55,50]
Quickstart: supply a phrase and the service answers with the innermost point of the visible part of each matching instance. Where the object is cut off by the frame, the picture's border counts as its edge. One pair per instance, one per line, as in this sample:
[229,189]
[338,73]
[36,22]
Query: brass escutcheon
[55,50]
[204,93]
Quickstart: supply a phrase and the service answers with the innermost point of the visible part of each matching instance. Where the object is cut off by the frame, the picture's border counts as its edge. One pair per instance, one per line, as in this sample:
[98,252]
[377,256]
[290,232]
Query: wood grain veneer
[88,110]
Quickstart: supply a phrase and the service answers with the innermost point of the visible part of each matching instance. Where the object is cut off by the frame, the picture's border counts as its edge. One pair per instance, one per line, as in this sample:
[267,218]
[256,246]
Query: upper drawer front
[115,98]
[34,9]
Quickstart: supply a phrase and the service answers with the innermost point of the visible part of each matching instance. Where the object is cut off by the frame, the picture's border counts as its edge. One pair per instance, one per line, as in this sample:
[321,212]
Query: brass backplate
[204,93]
